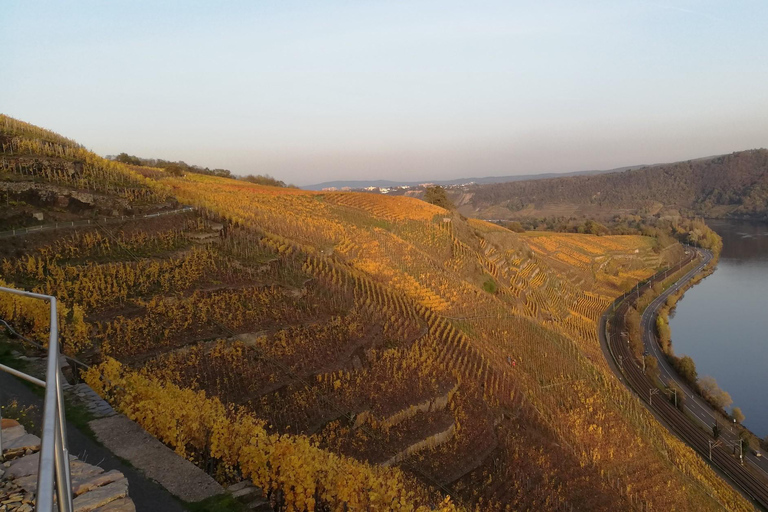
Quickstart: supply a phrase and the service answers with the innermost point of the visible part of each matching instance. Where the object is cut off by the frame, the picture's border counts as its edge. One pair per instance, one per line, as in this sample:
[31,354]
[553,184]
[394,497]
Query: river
[722,322]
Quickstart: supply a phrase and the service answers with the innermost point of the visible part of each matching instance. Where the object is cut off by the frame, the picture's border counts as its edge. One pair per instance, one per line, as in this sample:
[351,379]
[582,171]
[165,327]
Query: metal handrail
[53,469]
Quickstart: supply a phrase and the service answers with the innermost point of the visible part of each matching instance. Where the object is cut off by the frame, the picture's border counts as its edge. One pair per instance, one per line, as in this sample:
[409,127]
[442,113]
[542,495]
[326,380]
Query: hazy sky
[313,91]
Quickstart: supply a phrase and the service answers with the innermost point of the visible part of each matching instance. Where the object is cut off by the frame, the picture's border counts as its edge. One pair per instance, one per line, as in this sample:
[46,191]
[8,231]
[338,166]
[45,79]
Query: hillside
[346,349]
[734,185]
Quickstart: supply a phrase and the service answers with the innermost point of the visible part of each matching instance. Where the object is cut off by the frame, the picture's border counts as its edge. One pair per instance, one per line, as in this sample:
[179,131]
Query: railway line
[746,475]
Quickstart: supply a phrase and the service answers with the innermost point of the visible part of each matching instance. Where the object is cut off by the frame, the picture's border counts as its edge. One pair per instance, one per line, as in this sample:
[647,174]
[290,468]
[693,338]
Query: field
[353,349]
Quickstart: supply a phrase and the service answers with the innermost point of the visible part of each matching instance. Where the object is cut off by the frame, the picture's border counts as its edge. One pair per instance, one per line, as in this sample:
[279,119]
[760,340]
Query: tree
[514,226]
[712,392]
[738,415]
[664,333]
[175,170]
[264,180]
[635,332]
[128,159]
[436,195]
[490,285]
[592,227]
[746,438]
[686,368]
[651,367]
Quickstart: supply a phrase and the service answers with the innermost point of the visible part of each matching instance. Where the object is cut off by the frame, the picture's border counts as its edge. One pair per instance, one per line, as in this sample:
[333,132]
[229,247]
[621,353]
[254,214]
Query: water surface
[722,323]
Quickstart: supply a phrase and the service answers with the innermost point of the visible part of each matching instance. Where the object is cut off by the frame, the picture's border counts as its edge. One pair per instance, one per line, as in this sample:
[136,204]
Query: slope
[730,185]
[312,341]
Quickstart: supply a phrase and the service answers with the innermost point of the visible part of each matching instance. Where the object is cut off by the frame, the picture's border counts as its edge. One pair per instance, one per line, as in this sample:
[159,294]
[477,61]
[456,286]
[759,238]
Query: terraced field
[354,350]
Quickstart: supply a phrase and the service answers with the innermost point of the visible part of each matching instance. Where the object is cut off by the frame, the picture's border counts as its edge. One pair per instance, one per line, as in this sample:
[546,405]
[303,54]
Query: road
[751,477]
[694,404]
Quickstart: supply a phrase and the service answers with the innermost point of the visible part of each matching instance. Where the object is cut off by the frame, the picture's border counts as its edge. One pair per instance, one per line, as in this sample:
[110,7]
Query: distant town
[401,189]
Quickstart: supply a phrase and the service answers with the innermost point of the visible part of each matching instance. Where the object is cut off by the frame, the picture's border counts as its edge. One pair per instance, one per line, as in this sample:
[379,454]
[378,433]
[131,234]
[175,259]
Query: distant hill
[360,184]
[734,185]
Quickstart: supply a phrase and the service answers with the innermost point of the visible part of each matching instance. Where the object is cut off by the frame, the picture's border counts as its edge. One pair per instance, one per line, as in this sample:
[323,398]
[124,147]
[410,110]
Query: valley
[343,349]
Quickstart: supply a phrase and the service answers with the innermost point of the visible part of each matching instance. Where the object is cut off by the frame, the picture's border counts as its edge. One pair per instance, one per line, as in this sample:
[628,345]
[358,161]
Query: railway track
[630,372]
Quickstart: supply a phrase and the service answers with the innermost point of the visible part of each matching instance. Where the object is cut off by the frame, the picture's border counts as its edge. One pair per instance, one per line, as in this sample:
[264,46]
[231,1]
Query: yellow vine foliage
[189,421]
[33,316]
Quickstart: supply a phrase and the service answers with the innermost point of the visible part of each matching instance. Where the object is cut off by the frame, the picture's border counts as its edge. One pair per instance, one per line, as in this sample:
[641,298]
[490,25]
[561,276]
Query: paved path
[134,444]
[147,495]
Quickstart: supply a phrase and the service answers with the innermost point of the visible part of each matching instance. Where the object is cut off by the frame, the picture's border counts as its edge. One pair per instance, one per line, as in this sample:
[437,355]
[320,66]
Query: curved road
[751,477]
[696,406]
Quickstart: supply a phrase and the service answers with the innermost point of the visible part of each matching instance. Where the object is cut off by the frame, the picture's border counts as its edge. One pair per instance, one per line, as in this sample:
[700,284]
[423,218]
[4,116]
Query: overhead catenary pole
[713,444]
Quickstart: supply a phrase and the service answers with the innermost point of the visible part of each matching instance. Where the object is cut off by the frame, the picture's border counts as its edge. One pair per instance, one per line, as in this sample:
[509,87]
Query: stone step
[25,442]
[80,470]
[80,486]
[11,434]
[24,466]
[84,478]
[101,496]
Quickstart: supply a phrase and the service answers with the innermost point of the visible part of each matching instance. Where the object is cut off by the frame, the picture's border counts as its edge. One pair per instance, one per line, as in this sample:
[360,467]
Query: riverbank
[722,324]
[751,477]
[658,335]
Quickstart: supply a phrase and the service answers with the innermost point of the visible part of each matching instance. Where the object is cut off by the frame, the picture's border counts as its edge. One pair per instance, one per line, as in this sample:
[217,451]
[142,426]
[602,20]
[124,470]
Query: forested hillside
[734,185]
[344,350]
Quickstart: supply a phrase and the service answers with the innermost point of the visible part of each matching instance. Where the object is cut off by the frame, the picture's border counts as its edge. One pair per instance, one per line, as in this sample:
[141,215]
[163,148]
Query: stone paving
[83,394]
[127,440]
[94,489]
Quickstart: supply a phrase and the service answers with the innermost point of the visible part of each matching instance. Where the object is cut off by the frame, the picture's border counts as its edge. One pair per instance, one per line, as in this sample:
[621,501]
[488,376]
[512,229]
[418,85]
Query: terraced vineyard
[346,349]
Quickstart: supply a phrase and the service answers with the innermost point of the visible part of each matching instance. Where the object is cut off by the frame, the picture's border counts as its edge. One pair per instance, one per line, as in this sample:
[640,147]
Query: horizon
[376,91]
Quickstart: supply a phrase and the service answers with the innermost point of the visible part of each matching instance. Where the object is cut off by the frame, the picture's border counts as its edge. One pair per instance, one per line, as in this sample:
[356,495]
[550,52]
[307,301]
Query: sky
[417,90]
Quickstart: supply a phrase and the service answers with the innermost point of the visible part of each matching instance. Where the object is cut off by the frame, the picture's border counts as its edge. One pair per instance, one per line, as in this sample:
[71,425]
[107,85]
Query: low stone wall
[430,442]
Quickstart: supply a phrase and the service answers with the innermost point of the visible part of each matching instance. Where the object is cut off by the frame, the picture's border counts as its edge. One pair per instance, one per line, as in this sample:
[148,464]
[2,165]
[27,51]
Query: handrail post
[45,473]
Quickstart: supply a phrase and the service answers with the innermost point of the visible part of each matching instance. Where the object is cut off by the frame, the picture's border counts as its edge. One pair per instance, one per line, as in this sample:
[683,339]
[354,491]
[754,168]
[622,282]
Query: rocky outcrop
[53,196]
